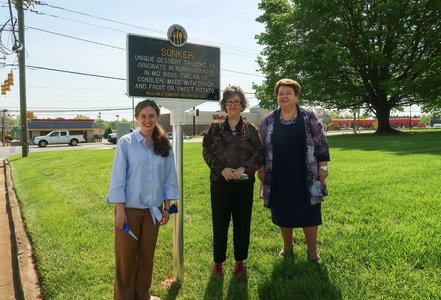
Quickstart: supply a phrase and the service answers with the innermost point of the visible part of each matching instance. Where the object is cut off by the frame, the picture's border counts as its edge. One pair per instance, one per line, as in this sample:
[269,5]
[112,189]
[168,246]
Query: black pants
[231,198]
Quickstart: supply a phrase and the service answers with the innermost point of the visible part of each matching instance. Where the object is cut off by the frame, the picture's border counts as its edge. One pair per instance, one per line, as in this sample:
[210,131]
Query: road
[11,150]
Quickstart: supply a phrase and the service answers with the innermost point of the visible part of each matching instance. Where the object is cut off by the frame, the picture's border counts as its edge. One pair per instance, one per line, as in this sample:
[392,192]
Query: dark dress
[290,206]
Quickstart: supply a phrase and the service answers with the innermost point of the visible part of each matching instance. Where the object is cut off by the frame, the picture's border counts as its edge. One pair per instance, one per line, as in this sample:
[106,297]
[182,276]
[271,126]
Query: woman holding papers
[233,151]
[142,184]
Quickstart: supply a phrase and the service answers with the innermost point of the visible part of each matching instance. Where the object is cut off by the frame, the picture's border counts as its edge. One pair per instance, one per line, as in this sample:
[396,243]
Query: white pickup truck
[58,137]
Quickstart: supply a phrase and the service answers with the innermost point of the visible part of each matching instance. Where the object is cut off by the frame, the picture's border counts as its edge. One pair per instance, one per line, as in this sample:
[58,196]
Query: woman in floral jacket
[233,151]
[295,167]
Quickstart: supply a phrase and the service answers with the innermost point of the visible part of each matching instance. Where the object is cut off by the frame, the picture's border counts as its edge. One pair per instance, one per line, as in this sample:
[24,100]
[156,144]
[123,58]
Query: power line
[70,110]
[96,17]
[76,21]
[110,77]
[243,49]
[245,73]
[75,38]
[69,72]
[107,45]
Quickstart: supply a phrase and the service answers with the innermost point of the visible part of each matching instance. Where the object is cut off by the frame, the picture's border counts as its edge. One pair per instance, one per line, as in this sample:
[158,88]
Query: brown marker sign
[172,68]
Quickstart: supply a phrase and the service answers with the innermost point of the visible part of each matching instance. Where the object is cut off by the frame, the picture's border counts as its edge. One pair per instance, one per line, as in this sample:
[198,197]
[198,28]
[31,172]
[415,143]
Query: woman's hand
[323,170]
[232,174]
[323,175]
[261,174]
[120,216]
[228,174]
[165,217]
[237,172]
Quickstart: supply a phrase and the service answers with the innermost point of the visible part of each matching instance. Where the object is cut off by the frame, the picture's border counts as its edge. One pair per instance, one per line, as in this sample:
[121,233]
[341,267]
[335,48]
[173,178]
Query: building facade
[196,125]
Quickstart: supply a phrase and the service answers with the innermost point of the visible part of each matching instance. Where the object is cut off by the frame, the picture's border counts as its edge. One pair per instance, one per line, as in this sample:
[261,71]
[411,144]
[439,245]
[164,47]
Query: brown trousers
[134,259]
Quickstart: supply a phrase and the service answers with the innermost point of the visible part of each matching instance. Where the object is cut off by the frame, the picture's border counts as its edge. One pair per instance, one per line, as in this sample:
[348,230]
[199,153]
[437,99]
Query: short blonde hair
[288,82]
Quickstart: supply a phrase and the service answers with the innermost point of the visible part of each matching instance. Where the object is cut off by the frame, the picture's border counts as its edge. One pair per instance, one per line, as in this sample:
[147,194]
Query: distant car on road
[58,137]
[111,137]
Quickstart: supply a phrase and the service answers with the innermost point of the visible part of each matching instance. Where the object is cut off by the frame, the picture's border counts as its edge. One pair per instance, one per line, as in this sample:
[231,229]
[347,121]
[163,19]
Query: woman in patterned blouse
[296,157]
[233,151]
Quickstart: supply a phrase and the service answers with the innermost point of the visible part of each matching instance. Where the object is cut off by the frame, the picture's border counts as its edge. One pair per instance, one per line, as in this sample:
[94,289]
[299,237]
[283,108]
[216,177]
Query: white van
[436,125]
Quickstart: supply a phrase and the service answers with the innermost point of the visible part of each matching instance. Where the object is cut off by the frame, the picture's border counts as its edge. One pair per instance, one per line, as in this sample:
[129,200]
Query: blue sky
[227,24]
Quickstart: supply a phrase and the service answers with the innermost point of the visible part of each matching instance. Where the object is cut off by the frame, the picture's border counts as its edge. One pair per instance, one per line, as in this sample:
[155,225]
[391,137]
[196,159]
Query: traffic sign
[326,119]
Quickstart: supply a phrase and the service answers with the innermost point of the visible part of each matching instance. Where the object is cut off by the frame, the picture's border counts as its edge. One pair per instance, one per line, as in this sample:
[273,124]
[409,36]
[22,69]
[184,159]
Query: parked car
[111,137]
[436,125]
[58,137]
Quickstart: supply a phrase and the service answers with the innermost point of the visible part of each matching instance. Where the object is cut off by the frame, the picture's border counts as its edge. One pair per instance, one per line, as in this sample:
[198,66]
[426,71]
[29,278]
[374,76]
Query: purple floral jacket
[221,148]
[316,150]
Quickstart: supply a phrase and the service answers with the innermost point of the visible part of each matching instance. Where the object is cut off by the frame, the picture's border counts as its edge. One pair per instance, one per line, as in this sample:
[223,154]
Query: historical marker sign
[162,69]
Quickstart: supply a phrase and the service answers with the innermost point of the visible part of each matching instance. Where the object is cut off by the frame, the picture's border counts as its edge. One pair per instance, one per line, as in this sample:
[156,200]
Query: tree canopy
[378,54]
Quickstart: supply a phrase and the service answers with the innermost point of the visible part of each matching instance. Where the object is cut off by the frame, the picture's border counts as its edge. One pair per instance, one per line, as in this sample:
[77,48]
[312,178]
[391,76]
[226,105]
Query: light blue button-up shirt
[140,178]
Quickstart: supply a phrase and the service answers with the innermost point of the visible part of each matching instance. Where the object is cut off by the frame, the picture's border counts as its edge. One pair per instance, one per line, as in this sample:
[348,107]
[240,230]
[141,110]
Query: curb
[29,280]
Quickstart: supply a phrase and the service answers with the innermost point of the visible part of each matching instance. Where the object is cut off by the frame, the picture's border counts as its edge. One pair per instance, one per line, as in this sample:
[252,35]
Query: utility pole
[99,122]
[194,121]
[22,76]
[4,126]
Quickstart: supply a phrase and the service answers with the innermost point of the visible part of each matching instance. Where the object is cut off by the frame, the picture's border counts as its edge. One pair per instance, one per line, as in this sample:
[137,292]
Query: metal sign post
[177,109]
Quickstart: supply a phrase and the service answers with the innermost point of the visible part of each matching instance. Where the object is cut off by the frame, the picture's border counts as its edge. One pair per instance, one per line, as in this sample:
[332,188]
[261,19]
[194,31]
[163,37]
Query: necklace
[291,118]
[233,128]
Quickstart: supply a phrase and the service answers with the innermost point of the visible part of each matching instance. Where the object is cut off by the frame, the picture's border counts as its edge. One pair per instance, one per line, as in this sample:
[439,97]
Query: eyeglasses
[231,103]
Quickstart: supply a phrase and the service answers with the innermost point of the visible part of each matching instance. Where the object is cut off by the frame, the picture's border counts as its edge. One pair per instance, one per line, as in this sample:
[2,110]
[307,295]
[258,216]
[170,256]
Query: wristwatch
[324,168]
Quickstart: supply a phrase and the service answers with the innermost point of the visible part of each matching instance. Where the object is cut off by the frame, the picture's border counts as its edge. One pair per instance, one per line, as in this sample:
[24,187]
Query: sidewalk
[18,277]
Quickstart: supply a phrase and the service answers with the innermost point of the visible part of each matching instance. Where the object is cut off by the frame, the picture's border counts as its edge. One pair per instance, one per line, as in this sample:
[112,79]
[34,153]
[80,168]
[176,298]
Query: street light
[3,125]
[99,125]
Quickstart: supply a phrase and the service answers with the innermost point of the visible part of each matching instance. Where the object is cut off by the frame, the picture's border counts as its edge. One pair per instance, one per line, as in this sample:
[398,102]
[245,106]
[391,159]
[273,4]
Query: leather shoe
[217,270]
[316,260]
[239,269]
[285,251]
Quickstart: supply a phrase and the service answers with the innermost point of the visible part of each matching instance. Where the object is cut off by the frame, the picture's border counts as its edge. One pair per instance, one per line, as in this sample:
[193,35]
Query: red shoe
[239,269]
[217,269]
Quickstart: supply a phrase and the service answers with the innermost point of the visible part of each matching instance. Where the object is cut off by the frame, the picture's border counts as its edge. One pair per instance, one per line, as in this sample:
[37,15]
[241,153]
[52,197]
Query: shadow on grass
[292,279]
[173,290]
[403,144]
[214,288]
[238,288]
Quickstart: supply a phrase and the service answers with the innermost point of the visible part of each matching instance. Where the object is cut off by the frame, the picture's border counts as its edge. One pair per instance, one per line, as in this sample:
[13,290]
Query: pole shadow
[173,290]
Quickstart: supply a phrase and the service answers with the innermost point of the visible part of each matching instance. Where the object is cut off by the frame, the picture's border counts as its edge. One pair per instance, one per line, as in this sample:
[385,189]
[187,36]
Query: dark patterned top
[224,149]
[316,151]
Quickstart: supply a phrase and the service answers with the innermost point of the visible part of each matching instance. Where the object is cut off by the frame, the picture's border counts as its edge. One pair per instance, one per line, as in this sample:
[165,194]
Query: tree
[107,131]
[433,108]
[378,54]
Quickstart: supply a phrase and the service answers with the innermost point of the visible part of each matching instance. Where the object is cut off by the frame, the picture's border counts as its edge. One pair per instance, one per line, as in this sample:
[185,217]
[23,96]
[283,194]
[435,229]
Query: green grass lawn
[380,238]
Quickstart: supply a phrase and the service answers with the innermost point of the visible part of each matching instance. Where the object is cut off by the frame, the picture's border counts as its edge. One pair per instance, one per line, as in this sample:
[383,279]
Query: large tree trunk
[382,112]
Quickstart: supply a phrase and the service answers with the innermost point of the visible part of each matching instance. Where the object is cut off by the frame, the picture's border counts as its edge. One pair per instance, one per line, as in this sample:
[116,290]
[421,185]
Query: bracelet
[166,209]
